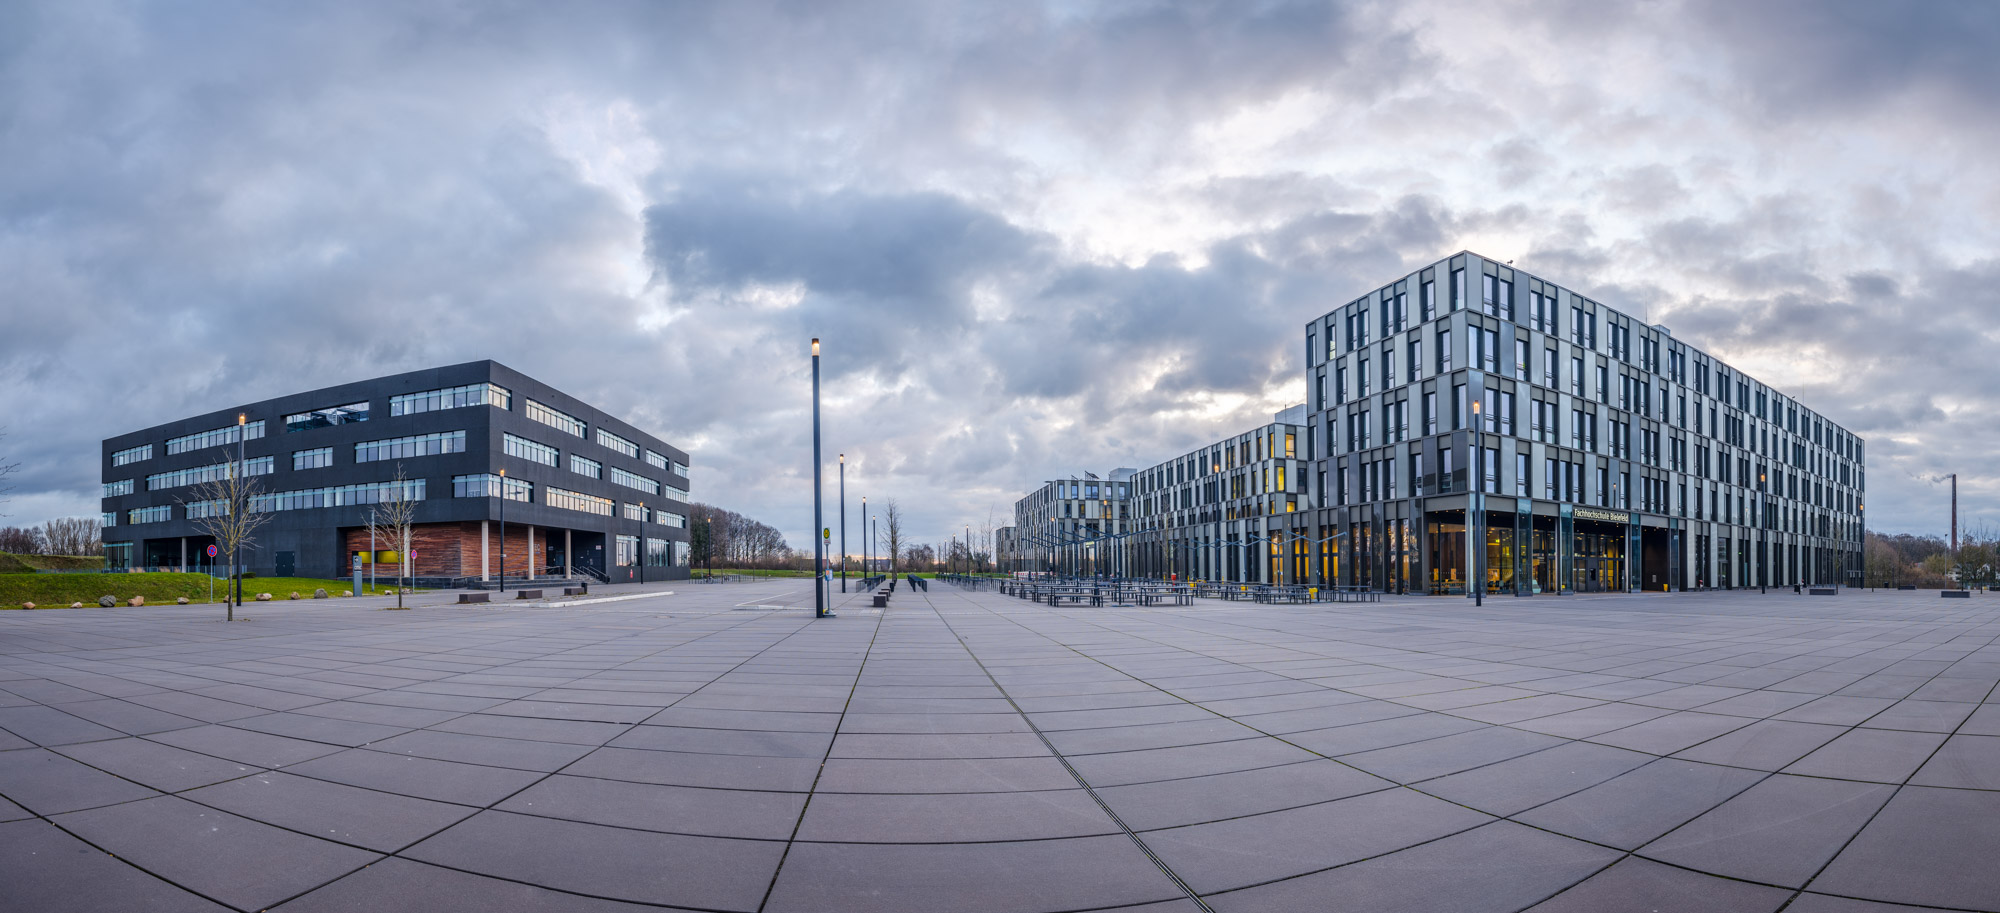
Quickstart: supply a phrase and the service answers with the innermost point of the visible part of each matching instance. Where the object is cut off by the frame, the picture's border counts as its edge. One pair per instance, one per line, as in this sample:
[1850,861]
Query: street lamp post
[1763,537]
[819,523]
[864,535]
[242,489]
[503,530]
[843,523]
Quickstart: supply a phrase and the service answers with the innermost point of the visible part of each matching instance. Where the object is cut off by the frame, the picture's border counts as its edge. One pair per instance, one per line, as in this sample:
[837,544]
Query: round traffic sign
[212,551]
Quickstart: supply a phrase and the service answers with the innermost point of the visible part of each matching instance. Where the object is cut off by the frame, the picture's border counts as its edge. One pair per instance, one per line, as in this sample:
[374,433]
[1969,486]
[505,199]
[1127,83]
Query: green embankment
[59,590]
[28,564]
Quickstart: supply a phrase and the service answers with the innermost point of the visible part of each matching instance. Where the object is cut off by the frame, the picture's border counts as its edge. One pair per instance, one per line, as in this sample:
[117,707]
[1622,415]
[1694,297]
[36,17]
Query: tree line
[1928,561]
[64,536]
[725,538]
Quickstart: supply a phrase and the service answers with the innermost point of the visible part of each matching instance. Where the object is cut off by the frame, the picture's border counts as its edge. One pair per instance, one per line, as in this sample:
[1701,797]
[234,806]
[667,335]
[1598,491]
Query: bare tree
[73,536]
[225,507]
[891,525]
[6,469]
[16,540]
[395,518]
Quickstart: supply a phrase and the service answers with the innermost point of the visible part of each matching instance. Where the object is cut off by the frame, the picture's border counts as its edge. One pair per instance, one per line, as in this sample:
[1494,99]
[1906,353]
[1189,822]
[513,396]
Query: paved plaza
[716,749]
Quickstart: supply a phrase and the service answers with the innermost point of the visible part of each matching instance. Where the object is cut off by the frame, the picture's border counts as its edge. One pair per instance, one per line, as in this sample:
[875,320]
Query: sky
[1036,239]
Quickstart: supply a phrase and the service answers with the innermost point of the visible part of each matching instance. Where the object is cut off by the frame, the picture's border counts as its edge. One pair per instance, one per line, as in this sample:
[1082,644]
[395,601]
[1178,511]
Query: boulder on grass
[107,601]
[319,594]
[76,605]
[346,592]
[263,597]
[136,601]
[295,594]
[27,605]
[181,601]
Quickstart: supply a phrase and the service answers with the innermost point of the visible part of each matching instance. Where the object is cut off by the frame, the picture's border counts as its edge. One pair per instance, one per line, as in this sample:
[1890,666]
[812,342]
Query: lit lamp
[1478,580]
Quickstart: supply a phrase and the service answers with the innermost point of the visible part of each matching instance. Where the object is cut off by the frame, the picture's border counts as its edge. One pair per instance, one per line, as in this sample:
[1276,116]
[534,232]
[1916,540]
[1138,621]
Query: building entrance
[1445,544]
[1654,574]
[1600,557]
[1542,555]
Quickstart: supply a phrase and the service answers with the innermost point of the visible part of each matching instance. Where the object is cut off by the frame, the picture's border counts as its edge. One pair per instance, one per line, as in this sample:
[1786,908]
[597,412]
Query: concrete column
[485,564]
[534,566]
[184,554]
[569,553]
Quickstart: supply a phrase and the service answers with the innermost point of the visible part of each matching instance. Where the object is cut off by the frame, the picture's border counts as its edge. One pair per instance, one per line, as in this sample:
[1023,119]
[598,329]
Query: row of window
[132,455]
[554,418]
[415,445]
[617,443]
[326,418]
[215,438]
[483,394]
[120,487]
[196,475]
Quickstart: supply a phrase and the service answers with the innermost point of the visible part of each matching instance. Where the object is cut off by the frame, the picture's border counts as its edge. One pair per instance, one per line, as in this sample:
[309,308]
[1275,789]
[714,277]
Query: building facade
[1229,511]
[587,492]
[1479,425]
[1076,526]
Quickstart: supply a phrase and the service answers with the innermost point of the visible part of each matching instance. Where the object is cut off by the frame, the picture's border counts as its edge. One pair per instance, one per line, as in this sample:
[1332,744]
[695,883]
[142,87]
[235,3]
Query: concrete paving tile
[241,745]
[1928,846]
[373,820]
[1671,733]
[1880,755]
[573,732]
[402,886]
[954,745]
[1629,810]
[954,817]
[1068,874]
[712,873]
[1119,768]
[1780,831]
[423,778]
[240,862]
[127,717]
[162,767]
[657,807]
[1450,754]
[1230,854]
[1634,885]
[48,870]
[48,726]
[1837,709]
[1922,716]
[1517,784]
[724,741]
[928,723]
[1821,903]
[1192,800]
[874,775]
[1342,740]
[1496,867]
[47,783]
[521,754]
[347,733]
[1589,721]
[715,771]
[1763,745]
[1152,735]
[1964,762]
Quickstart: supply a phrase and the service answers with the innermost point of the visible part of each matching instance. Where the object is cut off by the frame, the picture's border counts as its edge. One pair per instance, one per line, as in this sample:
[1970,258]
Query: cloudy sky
[1036,239]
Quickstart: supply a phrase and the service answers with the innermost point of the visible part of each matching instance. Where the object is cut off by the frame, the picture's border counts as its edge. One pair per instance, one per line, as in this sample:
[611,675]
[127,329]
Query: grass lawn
[28,564]
[59,590]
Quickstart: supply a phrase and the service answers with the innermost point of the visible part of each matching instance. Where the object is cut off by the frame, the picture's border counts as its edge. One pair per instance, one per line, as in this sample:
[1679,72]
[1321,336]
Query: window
[215,438]
[1459,409]
[1603,384]
[339,496]
[487,485]
[1491,476]
[617,443]
[201,510]
[1458,289]
[631,480]
[326,418]
[1416,358]
[1489,351]
[1361,378]
[255,466]
[1444,351]
[1521,474]
[554,418]
[1430,413]
[121,487]
[1427,299]
[1520,359]
[132,455]
[415,445]
[1488,296]
[529,450]
[669,518]
[659,553]
[586,467]
[635,512]
[158,514]
[628,551]
[451,398]
[572,500]
[1576,375]
[312,459]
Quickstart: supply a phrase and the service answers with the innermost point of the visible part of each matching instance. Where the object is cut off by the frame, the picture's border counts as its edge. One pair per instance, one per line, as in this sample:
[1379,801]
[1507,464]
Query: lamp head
[241,418]
[815,346]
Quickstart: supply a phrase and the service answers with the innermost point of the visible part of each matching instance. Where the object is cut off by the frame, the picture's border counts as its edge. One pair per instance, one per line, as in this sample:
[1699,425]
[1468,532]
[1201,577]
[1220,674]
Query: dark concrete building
[588,492]
[1482,426]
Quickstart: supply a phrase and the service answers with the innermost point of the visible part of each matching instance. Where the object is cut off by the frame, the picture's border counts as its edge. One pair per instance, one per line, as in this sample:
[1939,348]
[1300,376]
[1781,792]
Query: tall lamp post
[819,522]
[242,483]
[843,523]
[968,550]
[1763,537]
[864,535]
[503,530]
[1478,509]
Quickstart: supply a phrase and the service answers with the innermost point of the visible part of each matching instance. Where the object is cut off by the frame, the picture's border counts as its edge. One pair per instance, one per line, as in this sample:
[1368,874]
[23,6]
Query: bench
[527,594]
[470,598]
[575,591]
[1823,591]
[1906,588]
[1955,594]
[881,600]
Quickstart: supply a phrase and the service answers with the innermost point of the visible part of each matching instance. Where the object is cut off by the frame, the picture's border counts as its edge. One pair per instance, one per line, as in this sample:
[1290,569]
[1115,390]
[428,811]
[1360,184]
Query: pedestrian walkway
[718,749]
